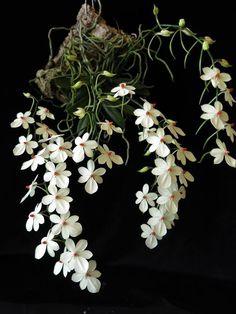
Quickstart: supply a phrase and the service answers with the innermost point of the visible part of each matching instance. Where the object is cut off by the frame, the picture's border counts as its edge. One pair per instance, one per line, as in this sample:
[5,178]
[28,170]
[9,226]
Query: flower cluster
[99,82]
[170,180]
[45,148]
[214,112]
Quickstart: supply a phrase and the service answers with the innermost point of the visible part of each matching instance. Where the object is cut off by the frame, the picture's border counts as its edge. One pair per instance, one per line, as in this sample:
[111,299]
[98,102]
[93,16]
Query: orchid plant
[85,97]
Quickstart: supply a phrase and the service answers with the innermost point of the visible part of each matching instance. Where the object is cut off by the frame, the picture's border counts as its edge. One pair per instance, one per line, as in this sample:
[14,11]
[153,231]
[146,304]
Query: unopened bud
[182,23]
[144,169]
[147,153]
[205,45]
[71,57]
[108,74]
[224,63]
[188,32]
[111,98]
[165,33]
[80,112]
[27,95]
[207,42]
[155,10]
[77,85]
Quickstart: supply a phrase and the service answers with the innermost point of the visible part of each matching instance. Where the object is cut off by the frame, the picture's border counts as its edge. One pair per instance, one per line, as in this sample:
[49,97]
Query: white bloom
[31,189]
[57,199]
[48,244]
[123,89]
[222,153]
[170,198]
[182,191]
[60,150]
[217,78]
[174,130]
[166,170]
[228,96]
[147,116]
[35,219]
[83,147]
[215,114]
[57,175]
[161,215]
[144,135]
[185,176]
[109,127]
[158,143]
[22,119]
[25,144]
[76,256]
[88,279]
[50,139]
[34,161]
[60,266]
[230,131]
[151,233]
[44,131]
[183,153]
[108,157]
[44,113]
[169,218]
[91,176]
[46,153]
[144,198]
[158,220]
[66,225]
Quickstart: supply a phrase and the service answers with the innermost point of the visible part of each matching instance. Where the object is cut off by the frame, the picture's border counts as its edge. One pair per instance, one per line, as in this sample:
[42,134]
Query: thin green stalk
[171,43]
[203,92]
[188,53]
[208,139]
[200,126]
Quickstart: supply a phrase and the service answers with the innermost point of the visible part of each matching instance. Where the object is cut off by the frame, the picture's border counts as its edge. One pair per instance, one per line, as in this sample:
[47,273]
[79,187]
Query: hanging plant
[83,100]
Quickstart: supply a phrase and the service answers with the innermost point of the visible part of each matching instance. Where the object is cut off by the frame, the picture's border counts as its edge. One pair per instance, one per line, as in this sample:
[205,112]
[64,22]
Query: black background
[193,268]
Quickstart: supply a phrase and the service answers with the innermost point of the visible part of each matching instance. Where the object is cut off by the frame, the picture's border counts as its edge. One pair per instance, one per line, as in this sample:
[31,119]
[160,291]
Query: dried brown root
[88,21]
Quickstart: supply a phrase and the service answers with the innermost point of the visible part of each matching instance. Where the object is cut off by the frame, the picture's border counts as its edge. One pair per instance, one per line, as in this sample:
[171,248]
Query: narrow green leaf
[114,114]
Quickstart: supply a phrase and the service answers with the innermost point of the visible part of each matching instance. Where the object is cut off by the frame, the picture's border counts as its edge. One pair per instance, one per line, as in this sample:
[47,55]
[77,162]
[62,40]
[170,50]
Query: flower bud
[77,85]
[144,169]
[188,32]
[182,23]
[111,98]
[165,33]
[205,45]
[207,42]
[147,153]
[71,57]
[108,74]
[155,10]
[224,63]
[27,95]
[80,112]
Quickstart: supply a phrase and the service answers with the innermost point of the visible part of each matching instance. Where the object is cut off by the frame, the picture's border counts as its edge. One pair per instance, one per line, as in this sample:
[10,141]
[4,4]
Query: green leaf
[128,109]
[83,125]
[81,100]
[114,114]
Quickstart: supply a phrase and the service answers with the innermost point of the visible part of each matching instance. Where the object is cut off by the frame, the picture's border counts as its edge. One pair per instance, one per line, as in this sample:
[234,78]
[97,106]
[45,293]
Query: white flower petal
[40,251]
[91,186]
[93,284]
[151,242]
